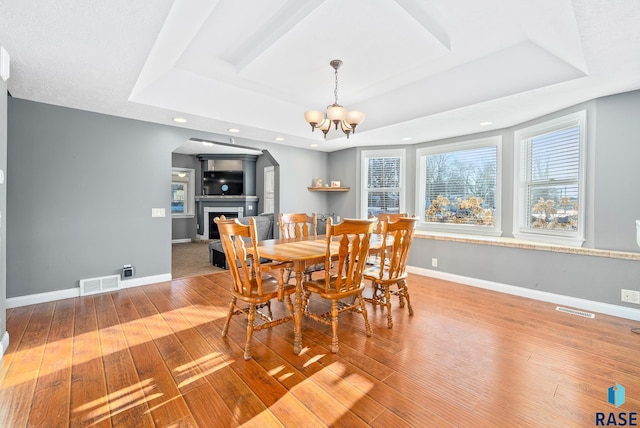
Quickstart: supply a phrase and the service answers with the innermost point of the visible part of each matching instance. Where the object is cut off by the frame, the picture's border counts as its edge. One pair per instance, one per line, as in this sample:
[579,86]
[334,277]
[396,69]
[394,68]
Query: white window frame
[365,155]
[190,179]
[521,137]
[496,229]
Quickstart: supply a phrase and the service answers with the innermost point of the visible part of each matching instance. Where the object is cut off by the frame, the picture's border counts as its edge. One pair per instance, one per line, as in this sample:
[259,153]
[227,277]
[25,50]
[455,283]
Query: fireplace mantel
[222,203]
[226,198]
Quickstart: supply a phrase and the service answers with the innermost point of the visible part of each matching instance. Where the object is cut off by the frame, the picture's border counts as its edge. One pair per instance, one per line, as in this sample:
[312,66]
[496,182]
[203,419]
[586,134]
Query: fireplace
[210,213]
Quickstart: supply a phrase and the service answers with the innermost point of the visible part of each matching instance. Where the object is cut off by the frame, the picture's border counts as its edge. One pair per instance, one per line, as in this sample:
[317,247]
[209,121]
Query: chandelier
[335,114]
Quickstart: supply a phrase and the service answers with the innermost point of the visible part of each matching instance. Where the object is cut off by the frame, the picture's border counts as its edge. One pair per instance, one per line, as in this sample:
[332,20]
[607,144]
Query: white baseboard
[181,241]
[4,344]
[32,299]
[136,282]
[574,302]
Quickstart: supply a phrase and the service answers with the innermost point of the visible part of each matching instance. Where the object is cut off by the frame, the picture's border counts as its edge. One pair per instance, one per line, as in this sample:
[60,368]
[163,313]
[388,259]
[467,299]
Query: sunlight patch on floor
[202,367]
[119,401]
[343,389]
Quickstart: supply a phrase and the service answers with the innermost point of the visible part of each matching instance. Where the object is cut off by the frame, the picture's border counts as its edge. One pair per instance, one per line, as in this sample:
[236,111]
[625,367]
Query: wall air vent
[101,284]
[575,312]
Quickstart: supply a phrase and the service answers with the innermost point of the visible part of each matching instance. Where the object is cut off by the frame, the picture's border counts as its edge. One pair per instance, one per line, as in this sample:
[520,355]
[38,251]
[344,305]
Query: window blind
[552,180]
[383,185]
[461,185]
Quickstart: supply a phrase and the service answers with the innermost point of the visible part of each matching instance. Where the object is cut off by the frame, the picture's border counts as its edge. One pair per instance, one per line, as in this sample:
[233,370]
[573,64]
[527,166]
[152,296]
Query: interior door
[269,190]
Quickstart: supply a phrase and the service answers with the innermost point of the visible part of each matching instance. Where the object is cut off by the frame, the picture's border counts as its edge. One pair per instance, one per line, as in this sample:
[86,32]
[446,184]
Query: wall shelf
[328,189]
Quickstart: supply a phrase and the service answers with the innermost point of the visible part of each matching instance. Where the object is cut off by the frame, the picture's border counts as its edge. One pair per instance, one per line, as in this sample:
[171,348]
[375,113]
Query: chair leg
[387,298]
[251,317]
[305,301]
[232,306]
[269,309]
[363,311]
[405,293]
[334,326]
[400,295]
[289,304]
[374,289]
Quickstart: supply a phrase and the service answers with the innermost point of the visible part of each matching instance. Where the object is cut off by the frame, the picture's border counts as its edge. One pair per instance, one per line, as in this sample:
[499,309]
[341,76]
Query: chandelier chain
[335,91]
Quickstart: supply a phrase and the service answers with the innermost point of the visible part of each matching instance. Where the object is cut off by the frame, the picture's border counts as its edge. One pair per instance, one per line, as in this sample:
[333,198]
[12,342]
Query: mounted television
[223,182]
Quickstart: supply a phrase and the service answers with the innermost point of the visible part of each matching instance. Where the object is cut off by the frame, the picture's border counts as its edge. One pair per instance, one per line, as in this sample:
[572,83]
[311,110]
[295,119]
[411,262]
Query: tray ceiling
[425,70]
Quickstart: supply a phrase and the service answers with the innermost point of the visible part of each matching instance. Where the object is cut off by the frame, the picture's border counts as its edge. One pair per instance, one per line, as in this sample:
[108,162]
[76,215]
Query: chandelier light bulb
[314,117]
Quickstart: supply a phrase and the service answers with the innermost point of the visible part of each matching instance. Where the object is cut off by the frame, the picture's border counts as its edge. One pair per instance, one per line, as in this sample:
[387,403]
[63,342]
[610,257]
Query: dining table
[303,252]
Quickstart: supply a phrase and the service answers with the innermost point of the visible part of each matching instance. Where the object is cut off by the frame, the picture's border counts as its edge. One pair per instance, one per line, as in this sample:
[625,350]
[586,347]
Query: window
[549,193]
[182,192]
[459,187]
[382,175]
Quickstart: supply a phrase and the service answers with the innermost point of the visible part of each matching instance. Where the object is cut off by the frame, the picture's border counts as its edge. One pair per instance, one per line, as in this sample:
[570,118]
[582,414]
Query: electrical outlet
[434,262]
[631,296]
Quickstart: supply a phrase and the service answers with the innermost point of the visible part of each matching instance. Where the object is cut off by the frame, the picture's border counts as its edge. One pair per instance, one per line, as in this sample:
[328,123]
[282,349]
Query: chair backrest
[245,270]
[353,237]
[393,258]
[297,225]
[382,217]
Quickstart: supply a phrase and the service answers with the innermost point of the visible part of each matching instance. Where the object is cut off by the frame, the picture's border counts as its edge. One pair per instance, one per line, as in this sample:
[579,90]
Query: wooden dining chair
[374,257]
[251,284]
[391,266]
[299,225]
[345,281]
[296,226]
[386,217]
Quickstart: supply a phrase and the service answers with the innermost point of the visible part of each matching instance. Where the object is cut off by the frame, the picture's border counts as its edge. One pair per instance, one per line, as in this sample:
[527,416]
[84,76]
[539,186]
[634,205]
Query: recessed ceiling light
[486,123]
[313,145]
[406,138]
[180,120]
[207,143]
[279,138]
[233,130]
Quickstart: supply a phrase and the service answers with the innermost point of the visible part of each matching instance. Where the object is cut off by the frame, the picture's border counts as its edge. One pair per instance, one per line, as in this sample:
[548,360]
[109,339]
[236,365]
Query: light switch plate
[157,212]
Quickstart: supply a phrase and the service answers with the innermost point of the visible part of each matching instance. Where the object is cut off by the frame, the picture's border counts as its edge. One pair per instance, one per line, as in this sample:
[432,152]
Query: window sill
[526,245]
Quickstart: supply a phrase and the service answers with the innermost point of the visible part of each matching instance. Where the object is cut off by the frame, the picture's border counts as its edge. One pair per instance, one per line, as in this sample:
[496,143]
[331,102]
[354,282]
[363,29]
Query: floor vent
[101,284]
[575,312]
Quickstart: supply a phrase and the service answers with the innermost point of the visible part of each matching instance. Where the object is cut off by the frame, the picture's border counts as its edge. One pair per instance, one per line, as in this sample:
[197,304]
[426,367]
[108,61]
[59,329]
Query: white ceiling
[418,69]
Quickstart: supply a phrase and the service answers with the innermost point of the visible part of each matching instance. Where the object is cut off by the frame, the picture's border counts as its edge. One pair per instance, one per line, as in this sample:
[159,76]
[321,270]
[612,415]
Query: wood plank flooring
[153,356]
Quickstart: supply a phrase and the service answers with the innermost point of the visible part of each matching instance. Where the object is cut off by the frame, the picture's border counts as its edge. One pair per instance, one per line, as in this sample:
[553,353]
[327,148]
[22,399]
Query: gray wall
[82,188]
[617,172]
[81,197]
[613,150]
[344,168]
[3,208]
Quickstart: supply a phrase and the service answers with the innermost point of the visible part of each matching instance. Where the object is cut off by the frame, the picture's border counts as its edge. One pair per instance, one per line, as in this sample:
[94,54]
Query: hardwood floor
[153,356]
